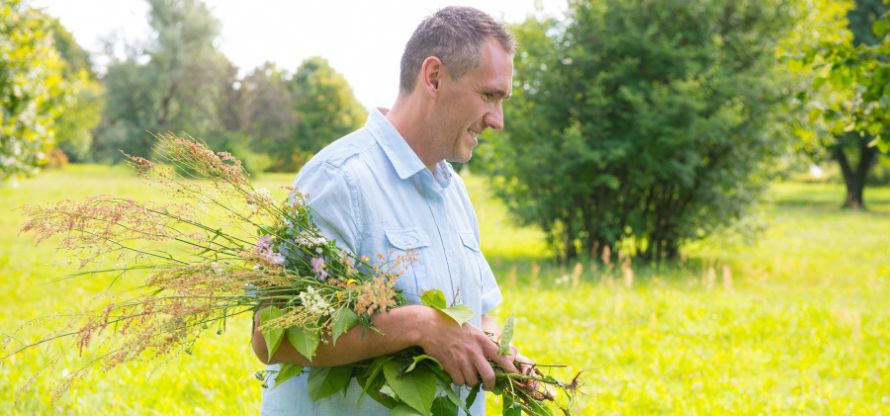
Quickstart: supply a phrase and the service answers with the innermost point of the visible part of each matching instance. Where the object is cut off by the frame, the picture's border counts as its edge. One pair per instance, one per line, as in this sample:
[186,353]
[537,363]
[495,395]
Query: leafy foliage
[325,110]
[848,96]
[174,84]
[180,82]
[33,92]
[435,299]
[640,125]
[86,96]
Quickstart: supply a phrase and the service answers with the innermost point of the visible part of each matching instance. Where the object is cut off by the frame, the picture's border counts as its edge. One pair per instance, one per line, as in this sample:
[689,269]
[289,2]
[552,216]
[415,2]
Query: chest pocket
[405,257]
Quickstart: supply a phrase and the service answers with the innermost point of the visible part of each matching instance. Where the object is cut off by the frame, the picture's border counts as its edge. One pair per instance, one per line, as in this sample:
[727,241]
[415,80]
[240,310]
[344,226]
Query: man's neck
[408,117]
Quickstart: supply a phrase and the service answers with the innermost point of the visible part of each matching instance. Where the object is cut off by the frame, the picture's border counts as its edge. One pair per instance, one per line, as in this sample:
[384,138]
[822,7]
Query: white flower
[315,303]
[305,239]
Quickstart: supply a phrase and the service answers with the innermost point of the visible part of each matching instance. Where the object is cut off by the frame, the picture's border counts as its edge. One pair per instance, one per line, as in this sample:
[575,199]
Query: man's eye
[487,97]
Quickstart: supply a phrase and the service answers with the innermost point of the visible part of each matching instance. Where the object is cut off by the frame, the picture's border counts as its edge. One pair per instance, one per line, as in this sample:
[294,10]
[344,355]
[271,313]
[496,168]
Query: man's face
[474,102]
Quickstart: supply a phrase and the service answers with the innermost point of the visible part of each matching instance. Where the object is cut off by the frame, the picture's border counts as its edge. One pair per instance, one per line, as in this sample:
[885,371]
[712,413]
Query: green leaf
[344,319]
[388,392]
[287,372]
[375,369]
[416,389]
[305,341]
[538,408]
[402,410]
[506,337]
[326,381]
[421,357]
[272,336]
[453,397]
[460,313]
[511,408]
[471,398]
[443,406]
[881,27]
[434,298]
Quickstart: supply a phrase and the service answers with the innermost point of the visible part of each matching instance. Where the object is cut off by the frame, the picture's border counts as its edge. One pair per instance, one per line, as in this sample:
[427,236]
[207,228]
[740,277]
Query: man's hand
[464,351]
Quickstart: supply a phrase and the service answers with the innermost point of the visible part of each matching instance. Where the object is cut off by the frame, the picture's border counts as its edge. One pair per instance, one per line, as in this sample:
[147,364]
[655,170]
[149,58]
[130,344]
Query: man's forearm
[401,327]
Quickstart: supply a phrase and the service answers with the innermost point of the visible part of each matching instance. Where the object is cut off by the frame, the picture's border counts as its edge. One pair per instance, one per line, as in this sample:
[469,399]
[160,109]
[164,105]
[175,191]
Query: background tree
[325,109]
[32,89]
[644,125]
[173,84]
[86,96]
[268,117]
[849,95]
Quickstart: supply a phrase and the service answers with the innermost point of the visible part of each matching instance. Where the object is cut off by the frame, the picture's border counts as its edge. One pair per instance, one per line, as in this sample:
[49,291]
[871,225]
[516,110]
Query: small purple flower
[264,249]
[318,268]
[264,244]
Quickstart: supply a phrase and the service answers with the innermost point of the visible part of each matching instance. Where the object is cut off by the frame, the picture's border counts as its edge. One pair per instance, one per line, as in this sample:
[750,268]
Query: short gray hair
[454,35]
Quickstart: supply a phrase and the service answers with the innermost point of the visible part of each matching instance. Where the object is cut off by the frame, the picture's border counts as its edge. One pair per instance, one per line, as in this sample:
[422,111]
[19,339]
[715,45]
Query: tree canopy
[849,90]
[173,84]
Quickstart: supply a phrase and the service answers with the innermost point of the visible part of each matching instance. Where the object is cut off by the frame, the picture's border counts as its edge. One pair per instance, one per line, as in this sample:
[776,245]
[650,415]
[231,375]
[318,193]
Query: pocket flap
[407,239]
[469,240]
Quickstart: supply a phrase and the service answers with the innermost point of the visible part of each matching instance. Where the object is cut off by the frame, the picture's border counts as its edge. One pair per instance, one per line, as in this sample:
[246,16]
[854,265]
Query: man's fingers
[503,361]
[469,372]
[456,375]
[525,365]
[487,373]
[506,363]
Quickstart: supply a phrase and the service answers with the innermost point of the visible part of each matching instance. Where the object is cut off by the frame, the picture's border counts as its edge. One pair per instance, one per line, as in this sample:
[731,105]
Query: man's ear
[431,72]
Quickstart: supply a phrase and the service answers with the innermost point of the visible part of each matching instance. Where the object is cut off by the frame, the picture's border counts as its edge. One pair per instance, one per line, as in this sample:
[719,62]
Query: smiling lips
[473,136]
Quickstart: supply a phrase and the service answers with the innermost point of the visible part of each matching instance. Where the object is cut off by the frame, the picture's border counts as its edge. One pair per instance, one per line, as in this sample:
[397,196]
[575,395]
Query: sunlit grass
[798,324]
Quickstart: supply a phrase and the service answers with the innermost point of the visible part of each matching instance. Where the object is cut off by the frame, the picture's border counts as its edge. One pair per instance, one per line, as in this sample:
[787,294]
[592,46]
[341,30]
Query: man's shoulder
[342,150]
[353,158]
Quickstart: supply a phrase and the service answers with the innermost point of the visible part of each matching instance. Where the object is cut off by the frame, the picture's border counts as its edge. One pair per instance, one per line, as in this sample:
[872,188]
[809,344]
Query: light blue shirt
[371,193]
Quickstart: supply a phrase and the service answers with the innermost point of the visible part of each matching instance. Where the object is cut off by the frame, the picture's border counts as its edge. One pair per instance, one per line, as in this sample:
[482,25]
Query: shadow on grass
[547,273]
[879,207]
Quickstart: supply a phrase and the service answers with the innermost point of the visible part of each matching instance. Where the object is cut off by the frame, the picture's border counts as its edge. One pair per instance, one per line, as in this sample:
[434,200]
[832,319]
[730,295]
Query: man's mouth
[473,135]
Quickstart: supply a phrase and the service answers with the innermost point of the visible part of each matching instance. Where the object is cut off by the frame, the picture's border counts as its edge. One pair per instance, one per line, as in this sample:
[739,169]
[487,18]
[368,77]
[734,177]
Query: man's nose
[495,119]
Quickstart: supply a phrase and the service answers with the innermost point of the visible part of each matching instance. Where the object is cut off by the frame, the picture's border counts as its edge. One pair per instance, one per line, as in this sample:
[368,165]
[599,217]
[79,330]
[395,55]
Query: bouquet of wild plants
[267,258]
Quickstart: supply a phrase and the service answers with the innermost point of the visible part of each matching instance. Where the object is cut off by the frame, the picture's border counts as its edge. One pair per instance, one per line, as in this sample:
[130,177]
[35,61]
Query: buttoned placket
[433,193]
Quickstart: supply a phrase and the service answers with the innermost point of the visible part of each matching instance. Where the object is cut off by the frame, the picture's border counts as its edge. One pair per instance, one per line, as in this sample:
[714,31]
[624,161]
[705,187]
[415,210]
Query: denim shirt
[371,193]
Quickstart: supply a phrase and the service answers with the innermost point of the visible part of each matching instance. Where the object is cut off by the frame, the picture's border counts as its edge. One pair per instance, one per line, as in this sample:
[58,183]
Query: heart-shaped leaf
[272,336]
[416,389]
[305,341]
[344,319]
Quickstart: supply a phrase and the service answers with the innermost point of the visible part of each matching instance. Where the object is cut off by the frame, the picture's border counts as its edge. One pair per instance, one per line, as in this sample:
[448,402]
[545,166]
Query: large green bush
[643,122]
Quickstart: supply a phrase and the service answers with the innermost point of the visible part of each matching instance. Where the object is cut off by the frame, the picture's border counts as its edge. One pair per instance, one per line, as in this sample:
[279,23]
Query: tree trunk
[855,176]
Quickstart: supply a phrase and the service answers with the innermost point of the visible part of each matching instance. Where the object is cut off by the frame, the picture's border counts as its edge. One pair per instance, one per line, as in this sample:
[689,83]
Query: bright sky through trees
[363,40]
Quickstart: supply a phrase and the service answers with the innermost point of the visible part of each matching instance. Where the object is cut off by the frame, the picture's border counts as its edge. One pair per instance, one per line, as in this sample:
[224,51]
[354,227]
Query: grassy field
[796,323]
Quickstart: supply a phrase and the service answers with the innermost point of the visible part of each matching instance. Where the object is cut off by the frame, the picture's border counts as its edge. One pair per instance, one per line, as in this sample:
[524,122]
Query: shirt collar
[397,150]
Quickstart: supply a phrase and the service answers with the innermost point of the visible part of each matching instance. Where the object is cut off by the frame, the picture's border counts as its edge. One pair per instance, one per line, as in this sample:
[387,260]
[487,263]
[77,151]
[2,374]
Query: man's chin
[461,159]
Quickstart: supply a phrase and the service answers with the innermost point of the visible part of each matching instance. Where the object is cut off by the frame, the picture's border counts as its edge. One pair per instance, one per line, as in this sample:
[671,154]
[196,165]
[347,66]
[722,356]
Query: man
[387,189]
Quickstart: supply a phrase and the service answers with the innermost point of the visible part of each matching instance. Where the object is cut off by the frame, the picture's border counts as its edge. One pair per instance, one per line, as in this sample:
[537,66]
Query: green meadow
[796,320]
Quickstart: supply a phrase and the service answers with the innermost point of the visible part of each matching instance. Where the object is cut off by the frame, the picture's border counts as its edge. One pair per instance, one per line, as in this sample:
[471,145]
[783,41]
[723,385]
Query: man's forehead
[497,70]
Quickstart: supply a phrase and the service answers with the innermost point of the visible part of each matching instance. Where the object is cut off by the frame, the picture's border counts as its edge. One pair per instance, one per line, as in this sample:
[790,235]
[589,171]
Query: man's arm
[464,351]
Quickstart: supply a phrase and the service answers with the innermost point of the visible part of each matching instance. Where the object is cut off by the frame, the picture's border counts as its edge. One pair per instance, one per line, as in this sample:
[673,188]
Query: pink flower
[318,268]
[264,248]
